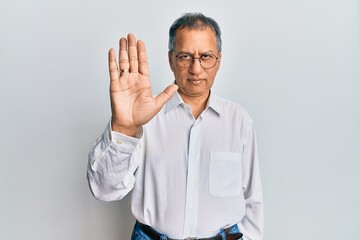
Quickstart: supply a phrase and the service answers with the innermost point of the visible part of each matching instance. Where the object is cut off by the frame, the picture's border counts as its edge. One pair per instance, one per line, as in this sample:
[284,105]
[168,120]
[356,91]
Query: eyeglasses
[206,60]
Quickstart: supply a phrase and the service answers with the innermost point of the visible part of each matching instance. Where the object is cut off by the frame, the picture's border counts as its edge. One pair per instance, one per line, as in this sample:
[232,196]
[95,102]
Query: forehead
[195,40]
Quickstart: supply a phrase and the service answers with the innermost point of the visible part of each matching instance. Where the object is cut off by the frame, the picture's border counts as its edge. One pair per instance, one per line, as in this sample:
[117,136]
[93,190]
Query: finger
[132,51]
[165,96]
[113,67]
[123,55]
[143,62]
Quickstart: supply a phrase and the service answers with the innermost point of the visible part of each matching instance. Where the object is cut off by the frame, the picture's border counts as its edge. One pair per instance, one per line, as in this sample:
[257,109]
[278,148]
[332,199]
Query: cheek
[213,73]
[180,72]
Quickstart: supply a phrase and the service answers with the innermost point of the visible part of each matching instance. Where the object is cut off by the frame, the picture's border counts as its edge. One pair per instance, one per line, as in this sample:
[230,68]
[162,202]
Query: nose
[196,67]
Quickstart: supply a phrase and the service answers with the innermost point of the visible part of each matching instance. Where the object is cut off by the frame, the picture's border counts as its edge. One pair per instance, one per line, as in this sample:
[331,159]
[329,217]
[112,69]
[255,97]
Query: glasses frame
[199,58]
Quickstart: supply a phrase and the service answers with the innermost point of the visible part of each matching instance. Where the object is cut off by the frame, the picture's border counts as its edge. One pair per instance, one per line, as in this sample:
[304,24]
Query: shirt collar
[176,100]
[213,103]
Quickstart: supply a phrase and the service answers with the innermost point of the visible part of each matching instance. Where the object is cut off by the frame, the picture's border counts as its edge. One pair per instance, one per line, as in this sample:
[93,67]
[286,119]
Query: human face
[194,81]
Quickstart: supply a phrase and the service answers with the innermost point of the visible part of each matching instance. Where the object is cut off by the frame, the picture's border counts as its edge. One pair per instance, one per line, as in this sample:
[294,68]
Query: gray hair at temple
[194,21]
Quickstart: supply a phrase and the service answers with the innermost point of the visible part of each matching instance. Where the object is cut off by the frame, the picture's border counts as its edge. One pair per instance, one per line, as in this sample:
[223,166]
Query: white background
[293,64]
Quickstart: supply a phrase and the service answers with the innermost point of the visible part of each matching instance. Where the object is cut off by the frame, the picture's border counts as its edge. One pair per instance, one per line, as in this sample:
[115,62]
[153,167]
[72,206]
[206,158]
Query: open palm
[132,102]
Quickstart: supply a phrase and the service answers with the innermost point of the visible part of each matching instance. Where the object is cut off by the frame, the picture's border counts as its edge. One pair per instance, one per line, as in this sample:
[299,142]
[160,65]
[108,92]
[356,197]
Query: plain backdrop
[293,64]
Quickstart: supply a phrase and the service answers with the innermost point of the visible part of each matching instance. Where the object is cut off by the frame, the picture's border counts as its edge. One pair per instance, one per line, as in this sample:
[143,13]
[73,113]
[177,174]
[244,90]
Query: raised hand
[132,102]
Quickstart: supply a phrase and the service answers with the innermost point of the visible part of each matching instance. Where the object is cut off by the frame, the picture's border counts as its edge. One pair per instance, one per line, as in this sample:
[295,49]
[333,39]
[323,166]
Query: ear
[218,64]
[219,56]
[170,55]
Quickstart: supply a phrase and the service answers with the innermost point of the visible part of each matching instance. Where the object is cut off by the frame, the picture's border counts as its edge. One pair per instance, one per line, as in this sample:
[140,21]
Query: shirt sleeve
[252,224]
[112,164]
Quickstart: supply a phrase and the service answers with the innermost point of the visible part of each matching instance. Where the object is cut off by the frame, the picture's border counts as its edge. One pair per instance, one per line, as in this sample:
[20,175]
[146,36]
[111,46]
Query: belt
[156,236]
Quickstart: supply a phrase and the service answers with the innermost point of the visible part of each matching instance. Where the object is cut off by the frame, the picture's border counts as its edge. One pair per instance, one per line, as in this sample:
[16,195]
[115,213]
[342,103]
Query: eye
[206,57]
[184,56]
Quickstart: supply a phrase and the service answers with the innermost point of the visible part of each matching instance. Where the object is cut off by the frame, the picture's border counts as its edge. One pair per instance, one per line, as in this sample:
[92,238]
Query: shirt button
[118,142]
[101,157]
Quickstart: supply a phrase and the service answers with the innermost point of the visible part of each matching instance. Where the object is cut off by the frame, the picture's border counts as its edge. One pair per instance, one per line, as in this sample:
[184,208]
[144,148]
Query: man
[189,156]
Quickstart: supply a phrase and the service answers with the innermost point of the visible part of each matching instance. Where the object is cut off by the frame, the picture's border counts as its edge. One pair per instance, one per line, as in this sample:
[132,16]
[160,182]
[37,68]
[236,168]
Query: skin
[194,82]
[132,101]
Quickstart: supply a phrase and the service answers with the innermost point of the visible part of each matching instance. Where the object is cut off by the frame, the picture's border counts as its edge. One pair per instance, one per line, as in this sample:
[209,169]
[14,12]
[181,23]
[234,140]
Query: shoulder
[237,117]
[232,109]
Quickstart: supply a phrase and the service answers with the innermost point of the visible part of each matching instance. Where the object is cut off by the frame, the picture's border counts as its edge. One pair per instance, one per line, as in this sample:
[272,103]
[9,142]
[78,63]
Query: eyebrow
[185,52]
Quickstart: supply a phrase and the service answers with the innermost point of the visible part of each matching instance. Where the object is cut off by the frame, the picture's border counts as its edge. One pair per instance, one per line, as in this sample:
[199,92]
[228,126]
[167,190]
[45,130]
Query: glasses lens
[208,61]
[184,60]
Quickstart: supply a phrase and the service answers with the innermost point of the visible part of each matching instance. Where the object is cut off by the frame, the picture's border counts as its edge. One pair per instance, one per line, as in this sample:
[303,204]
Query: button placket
[192,183]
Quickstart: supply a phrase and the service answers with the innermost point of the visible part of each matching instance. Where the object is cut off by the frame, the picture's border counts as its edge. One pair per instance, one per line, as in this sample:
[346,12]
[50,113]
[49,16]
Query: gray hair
[194,21]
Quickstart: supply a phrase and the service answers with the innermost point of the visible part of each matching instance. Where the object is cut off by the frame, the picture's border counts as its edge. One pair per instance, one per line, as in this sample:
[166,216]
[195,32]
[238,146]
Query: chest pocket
[225,174]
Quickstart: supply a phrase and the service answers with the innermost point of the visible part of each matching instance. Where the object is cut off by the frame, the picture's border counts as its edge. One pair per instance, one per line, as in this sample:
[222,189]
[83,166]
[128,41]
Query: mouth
[196,81]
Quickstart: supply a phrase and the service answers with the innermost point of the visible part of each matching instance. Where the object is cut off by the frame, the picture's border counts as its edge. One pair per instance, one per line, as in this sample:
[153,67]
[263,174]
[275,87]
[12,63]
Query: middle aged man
[189,156]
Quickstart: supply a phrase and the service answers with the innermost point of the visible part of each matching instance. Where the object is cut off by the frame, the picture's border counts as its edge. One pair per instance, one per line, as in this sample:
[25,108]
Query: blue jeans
[138,234]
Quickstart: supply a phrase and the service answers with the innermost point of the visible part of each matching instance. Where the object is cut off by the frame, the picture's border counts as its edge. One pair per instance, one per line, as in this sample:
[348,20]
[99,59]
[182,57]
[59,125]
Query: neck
[197,103]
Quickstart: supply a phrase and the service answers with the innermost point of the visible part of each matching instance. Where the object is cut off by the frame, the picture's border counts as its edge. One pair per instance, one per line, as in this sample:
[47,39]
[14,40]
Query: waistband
[154,235]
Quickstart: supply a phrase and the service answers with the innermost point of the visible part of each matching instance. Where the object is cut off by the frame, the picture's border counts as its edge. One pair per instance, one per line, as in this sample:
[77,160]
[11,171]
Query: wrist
[129,131]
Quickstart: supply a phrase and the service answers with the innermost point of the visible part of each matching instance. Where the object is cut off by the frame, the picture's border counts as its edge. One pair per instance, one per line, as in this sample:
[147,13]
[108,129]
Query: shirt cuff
[121,142]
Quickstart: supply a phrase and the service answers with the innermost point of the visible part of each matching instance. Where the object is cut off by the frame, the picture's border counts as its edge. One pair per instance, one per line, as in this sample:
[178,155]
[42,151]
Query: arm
[112,164]
[115,157]
[252,224]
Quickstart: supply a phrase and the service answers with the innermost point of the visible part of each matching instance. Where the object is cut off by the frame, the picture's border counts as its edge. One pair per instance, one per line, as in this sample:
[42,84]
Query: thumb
[165,96]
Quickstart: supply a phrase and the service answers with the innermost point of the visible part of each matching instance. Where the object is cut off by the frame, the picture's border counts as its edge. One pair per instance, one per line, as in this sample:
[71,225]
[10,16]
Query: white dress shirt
[189,177]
